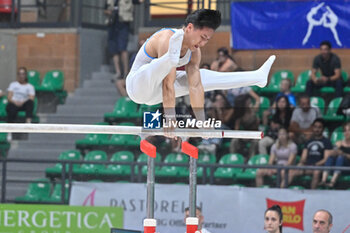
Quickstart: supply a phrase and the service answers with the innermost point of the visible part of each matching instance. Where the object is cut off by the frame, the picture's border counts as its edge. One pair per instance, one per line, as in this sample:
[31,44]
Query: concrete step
[28,167]
[102,76]
[13,191]
[78,100]
[84,109]
[106,68]
[17,185]
[101,89]
[113,95]
[98,83]
[94,92]
[47,144]
[91,118]
[34,153]
[26,176]
[62,138]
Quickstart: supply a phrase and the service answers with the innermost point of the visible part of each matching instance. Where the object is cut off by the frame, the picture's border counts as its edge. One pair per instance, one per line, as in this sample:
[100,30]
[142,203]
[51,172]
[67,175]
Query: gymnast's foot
[264,70]
[175,44]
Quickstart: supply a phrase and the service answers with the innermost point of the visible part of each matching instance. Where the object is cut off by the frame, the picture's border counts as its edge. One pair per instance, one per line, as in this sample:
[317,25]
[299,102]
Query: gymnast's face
[196,38]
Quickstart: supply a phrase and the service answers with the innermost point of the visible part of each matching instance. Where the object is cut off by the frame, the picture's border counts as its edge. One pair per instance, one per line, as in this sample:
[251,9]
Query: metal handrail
[77,15]
[139,165]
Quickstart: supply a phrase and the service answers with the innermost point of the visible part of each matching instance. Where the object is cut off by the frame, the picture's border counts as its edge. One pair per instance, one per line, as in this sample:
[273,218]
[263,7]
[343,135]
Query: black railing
[41,14]
[206,178]
[90,13]
[61,13]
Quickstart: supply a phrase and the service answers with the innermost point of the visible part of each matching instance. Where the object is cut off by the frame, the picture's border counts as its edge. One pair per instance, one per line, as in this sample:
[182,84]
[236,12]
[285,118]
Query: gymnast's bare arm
[196,90]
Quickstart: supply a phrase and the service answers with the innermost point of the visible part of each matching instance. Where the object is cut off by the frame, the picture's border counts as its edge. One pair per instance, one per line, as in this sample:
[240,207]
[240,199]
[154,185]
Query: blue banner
[290,24]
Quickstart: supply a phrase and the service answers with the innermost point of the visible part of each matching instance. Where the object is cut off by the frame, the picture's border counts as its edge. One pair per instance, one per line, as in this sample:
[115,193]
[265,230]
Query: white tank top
[143,58]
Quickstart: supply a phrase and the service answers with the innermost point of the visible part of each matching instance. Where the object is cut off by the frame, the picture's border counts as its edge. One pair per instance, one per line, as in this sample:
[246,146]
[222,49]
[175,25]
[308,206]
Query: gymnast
[153,78]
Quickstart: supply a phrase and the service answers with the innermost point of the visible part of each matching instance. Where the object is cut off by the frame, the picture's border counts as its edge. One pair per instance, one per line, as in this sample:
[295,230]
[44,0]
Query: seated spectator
[283,152]
[221,110]
[281,118]
[315,153]
[224,62]
[234,92]
[329,65]
[302,119]
[20,97]
[344,107]
[282,114]
[269,137]
[246,119]
[245,115]
[210,145]
[340,156]
[285,91]
[285,86]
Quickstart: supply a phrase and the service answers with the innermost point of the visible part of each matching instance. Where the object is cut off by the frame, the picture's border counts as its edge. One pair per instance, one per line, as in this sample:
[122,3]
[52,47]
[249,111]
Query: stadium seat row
[300,84]
[125,108]
[40,191]
[53,81]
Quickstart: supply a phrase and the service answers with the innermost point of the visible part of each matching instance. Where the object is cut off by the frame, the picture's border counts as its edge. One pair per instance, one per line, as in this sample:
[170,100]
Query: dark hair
[327,43]
[204,18]
[25,71]
[304,96]
[278,210]
[287,100]
[289,111]
[223,50]
[227,104]
[275,120]
[197,208]
[240,105]
[319,120]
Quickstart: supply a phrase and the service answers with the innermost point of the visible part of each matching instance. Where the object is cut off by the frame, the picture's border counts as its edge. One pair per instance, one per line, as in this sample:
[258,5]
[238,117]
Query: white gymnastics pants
[144,86]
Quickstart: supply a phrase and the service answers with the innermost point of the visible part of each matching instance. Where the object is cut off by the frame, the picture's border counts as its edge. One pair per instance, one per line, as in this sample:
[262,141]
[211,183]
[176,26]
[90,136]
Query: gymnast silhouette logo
[322,15]
[151,120]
